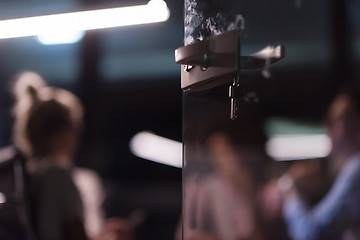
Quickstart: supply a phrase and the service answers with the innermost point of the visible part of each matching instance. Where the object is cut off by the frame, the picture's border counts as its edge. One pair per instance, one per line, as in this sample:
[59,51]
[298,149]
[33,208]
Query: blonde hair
[41,112]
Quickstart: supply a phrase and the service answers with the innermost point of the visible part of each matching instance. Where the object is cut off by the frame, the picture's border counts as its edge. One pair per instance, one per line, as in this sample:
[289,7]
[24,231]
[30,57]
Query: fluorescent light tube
[297,147]
[2,198]
[156,148]
[154,11]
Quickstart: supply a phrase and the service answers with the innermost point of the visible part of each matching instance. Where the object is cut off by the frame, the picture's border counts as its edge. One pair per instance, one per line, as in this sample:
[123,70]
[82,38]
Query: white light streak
[156,148]
[154,11]
[57,37]
[2,198]
[296,147]
[268,52]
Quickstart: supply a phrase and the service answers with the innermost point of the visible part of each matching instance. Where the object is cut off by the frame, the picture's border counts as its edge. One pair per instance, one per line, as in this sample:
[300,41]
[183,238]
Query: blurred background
[129,82]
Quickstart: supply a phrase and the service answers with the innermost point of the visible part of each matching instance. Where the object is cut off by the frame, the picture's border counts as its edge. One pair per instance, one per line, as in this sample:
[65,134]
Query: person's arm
[336,211]
[91,192]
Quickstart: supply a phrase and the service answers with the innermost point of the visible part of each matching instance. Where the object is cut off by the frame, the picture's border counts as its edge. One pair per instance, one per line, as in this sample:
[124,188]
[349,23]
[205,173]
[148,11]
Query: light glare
[158,149]
[60,37]
[269,52]
[296,147]
[154,11]
[2,198]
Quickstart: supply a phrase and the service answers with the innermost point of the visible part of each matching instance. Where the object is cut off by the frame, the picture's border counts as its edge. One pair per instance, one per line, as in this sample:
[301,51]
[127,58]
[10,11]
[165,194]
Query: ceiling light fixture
[157,149]
[153,11]
[298,146]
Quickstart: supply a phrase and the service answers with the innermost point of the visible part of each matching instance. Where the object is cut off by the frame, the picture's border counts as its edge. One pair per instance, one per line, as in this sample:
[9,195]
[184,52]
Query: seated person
[337,214]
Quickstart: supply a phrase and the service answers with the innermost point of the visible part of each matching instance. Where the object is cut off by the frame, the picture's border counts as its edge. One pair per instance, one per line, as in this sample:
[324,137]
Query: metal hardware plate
[217,60]
[213,61]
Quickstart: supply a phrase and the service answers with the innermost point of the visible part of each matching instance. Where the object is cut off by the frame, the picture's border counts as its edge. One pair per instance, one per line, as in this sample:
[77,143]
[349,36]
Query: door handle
[217,60]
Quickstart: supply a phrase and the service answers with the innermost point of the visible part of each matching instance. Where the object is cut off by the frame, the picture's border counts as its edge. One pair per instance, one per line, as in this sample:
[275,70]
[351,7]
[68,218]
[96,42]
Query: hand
[271,200]
[203,236]
[116,229]
[311,180]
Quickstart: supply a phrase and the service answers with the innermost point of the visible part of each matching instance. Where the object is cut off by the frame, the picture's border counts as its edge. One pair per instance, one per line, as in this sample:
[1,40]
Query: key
[235,93]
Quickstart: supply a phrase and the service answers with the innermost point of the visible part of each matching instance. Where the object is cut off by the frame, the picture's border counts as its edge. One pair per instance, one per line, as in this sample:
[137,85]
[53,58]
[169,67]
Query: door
[259,143]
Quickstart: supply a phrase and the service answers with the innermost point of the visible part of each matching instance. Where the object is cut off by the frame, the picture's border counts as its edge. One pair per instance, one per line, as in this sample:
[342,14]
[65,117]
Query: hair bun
[33,94]
[28,84]
[26,88]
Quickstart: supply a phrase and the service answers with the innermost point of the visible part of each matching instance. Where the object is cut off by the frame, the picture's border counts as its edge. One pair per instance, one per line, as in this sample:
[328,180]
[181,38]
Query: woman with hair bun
[47,127]
[66,200]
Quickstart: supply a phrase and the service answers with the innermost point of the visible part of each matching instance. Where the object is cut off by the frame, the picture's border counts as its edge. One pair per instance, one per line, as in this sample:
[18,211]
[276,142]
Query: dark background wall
[129,82]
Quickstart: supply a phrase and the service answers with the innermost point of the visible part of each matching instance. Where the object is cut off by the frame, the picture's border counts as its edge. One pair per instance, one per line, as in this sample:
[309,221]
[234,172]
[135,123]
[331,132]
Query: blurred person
[47,133]
[337,214]
[193,171]
[66,199]
[225,176]
[219,203]
[228,196]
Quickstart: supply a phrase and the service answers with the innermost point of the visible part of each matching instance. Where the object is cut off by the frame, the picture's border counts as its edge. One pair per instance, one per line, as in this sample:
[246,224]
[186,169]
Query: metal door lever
[217,60]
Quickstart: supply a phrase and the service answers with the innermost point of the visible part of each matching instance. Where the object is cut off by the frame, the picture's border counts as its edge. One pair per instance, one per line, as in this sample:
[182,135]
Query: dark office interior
[129,82]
